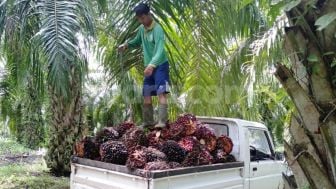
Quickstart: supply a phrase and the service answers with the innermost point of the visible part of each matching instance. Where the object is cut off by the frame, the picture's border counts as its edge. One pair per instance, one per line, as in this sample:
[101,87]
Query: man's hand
[123,47]
[149,71]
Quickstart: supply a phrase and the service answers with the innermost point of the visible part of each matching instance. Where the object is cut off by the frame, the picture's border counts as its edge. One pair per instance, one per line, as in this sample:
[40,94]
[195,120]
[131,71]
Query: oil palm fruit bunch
[153,154]
[189,143]
[106,134]
[133,138]
[173,151]
[165,133]
[206,136]
[175,131]
[157,165]
[124,127]
[199,156]
[113,152]
[155,138]
[174,165]
[222,157]
[137,159]
[87,148]
[189,123]
[224,143]
[205,157]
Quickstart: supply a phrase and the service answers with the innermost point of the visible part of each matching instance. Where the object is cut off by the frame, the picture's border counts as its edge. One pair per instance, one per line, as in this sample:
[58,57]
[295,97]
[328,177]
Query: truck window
[259,145]
[220,129]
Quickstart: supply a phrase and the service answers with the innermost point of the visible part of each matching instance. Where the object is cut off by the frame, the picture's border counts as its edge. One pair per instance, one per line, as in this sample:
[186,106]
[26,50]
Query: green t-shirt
[153,42]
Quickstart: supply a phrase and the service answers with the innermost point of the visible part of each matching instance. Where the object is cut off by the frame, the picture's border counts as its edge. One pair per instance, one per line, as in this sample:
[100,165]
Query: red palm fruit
[224,143]
[206,136]
[189,143]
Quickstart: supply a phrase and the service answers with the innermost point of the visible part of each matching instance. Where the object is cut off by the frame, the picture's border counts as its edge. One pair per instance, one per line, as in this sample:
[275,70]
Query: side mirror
[279,156]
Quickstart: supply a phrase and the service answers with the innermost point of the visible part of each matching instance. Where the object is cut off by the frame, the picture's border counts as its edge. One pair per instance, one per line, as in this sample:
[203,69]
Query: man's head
[142,13]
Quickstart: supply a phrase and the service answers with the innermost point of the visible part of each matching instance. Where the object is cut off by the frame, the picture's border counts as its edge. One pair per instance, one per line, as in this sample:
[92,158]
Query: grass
[34,175]
[10,147]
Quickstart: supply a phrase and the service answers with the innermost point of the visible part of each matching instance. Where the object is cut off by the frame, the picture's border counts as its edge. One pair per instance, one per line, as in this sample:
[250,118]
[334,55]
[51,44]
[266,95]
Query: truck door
[264,171]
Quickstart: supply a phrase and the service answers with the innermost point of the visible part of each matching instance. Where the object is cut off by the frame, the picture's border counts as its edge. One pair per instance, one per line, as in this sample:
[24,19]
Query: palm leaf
[62,22]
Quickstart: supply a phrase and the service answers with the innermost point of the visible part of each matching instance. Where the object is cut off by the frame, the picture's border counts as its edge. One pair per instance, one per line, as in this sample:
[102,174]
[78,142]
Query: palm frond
[3,11]
[62,22]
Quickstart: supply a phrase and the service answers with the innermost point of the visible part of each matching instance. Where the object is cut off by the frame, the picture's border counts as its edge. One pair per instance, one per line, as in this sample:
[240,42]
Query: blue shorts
[158,82]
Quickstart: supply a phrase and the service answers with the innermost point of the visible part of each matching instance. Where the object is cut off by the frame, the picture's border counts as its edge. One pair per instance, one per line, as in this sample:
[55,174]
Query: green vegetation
[11,147]
[32,174]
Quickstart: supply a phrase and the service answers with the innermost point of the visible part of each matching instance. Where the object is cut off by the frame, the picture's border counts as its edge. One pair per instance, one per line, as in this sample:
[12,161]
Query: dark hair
[141,9]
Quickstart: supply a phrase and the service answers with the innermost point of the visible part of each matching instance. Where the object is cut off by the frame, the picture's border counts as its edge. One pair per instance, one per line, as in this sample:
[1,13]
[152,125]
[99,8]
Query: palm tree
[48,33]
[309,79]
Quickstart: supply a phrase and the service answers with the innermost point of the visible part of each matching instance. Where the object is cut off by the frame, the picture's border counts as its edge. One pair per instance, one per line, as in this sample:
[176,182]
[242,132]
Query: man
[150,37]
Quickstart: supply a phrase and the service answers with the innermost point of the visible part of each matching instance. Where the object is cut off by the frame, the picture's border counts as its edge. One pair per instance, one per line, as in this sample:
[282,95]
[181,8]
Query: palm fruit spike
[113,152]
[224,143]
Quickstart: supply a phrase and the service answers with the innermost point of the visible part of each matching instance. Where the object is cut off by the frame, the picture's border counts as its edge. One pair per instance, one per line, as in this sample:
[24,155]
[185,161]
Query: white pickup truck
[256,166]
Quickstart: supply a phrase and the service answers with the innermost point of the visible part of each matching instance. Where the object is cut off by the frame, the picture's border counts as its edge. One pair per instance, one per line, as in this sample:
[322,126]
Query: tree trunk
[309,83]
[66,126]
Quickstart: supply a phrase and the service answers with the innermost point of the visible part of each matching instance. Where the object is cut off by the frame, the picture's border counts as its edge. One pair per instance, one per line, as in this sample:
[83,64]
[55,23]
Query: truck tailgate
[90,174]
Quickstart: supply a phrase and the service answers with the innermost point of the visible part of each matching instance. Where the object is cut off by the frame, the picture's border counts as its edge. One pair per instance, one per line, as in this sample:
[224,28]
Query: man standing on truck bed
[151,38]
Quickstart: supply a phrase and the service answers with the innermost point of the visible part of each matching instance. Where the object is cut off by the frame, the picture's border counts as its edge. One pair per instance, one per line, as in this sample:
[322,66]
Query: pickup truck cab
[256,166]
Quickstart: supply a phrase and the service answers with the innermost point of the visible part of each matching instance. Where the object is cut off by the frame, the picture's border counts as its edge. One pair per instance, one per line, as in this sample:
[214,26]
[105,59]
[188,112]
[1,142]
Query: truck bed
[90,174]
